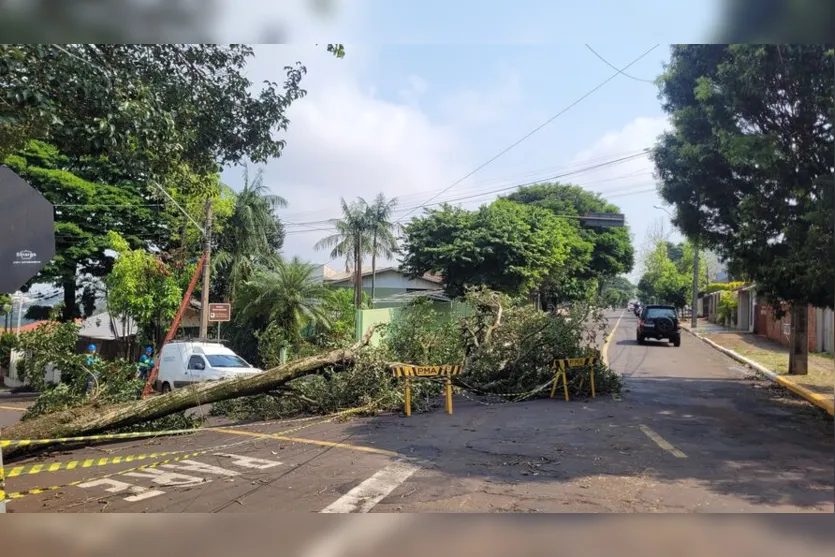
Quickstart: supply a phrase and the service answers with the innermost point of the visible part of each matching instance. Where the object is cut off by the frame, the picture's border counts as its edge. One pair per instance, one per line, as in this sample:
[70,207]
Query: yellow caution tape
[86,463]
[132,435]
[39,490]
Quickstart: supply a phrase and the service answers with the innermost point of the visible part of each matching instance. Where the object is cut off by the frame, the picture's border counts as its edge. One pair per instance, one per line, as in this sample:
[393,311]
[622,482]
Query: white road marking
[661,442]
[250,461]
[362,498]
[199,467]
[164,477]
[115,486]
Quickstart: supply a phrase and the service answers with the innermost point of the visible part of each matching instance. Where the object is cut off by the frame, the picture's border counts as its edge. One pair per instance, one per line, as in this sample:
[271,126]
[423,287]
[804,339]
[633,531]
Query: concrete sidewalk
[772,359]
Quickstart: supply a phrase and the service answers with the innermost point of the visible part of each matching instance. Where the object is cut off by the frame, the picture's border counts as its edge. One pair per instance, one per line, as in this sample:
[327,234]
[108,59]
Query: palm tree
[288,295]
[350,241]
[383,233]
[252,236]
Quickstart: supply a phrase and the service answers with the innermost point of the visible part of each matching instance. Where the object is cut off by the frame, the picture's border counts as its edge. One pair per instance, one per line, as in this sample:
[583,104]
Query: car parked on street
[183,363]
[659,323]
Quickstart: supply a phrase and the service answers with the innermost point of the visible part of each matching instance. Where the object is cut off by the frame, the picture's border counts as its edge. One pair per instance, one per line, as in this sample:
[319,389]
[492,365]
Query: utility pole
[207,272]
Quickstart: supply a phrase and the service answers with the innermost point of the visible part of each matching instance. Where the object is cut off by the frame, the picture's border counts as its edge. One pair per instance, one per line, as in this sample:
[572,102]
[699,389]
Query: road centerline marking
[661,442]
[304,440]
[605,350]
[366,495]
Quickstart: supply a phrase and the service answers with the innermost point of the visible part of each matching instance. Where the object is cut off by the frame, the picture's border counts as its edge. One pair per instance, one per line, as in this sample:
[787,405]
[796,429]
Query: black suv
[659,322]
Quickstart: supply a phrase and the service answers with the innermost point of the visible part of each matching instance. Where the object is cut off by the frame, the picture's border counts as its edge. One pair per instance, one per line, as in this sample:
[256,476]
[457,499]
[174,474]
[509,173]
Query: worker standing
[92,361]
[146,363]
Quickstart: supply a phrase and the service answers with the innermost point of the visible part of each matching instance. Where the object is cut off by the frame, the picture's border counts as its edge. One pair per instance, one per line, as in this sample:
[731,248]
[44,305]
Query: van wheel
[166,388]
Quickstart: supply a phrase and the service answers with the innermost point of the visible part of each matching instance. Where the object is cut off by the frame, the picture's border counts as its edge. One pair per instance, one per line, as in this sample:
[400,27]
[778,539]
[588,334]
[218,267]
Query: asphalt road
[690,433]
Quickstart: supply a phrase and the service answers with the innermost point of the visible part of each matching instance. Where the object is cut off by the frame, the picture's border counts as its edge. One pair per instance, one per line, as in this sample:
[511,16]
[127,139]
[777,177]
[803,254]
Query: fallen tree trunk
[94,418]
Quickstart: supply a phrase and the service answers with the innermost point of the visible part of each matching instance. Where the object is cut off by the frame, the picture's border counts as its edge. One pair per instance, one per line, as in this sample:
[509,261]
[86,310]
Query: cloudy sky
[426,96]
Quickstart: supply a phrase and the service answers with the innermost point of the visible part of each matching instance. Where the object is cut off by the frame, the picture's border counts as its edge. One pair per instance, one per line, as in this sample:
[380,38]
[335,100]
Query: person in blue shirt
[146,363]
[92,360]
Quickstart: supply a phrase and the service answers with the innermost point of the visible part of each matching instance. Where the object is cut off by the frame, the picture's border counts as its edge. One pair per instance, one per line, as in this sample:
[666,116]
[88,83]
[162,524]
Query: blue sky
[427,94]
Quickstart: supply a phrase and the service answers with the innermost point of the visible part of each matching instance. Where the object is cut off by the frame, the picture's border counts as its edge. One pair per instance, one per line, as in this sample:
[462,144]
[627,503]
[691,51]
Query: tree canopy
[149,108]
[662,282]
[85,209]
[613,253]
[748,164]
[505,246]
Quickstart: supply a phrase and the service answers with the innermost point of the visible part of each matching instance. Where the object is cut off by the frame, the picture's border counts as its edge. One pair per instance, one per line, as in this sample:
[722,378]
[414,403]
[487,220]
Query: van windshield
[226,360]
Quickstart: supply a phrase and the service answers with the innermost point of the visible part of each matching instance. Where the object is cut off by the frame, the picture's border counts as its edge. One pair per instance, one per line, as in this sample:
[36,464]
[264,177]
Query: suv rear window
[656,313]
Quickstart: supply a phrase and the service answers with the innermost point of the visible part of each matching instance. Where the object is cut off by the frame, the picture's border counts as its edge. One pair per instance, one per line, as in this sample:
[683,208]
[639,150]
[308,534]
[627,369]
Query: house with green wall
[390,284]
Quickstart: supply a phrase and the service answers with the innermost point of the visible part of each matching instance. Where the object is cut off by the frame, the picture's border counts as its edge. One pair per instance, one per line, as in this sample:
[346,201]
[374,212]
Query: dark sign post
[27,241]
[604,220]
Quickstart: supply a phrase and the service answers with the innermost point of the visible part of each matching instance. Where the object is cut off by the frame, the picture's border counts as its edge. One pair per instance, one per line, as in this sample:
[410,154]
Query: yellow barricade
[560,367]
[409,372]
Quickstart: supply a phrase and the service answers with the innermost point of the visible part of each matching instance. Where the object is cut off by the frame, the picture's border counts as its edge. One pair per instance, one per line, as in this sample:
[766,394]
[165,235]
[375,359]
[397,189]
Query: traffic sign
[604,220]
[27,243]
[220,312]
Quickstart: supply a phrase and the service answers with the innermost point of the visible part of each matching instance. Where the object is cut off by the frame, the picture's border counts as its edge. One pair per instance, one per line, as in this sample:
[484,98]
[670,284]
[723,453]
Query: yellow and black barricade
[410,372]
[560,367]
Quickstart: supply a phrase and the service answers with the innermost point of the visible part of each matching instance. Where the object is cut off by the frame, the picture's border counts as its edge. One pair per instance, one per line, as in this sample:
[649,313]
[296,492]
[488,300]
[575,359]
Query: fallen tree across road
[95,418]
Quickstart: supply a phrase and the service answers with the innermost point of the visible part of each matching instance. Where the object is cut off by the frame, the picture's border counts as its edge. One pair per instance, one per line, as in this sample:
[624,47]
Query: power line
[481,193]
[624,74]
[535,130]
[308,216]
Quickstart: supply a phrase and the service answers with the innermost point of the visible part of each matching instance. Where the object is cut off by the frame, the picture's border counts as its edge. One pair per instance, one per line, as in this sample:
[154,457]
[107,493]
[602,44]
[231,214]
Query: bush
[726,310]
[8,342]
[420,335]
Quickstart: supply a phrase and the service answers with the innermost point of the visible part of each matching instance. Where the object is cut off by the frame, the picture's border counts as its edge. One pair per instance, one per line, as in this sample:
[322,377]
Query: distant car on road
[659,322]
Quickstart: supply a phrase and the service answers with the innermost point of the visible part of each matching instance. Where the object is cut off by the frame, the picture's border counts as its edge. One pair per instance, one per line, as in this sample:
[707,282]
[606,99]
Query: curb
[818,400]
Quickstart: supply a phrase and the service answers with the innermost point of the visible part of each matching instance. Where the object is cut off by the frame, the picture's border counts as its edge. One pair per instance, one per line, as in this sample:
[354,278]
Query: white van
[184,363]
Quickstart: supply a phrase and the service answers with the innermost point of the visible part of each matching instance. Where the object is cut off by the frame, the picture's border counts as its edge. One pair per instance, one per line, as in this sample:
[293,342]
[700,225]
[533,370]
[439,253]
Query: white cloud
[344,141]
[486,105]
[630,184]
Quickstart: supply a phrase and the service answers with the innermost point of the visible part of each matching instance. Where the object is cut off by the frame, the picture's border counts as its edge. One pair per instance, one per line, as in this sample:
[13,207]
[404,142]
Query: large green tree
[149,108]
[748,166]
[613,253]
[662,282]
[85,209]
[505,246]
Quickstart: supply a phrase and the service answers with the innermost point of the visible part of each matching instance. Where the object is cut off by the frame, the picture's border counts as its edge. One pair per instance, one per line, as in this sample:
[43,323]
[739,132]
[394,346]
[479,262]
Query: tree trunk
[799,340]
[93,418]
[358,273]
[373,269]
[68,313]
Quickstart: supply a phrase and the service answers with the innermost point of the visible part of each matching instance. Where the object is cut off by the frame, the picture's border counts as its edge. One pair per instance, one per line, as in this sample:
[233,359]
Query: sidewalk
[774,356]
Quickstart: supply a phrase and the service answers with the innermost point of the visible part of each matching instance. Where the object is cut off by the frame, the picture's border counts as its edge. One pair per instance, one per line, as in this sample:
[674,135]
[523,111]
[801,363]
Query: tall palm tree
[252,236]
[288,295]
[350,241]
[383,233]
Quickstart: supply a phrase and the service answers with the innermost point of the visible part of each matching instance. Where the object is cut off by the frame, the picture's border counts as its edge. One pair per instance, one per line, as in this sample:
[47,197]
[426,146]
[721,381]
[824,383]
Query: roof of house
[340,277]
[406,297]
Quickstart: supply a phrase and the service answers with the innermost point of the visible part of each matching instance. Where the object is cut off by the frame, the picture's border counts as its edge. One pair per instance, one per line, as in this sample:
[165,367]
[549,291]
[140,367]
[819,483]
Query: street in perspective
[187,329]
